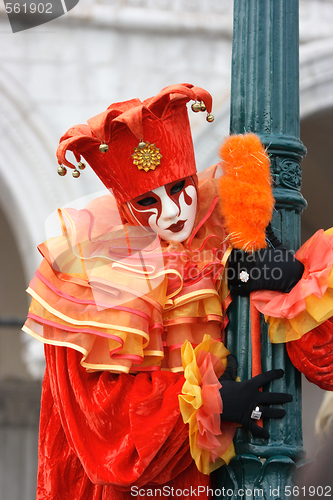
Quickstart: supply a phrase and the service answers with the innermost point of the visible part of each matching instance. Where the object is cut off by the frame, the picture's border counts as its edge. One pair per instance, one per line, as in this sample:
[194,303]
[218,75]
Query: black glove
[272,268]
[241,398]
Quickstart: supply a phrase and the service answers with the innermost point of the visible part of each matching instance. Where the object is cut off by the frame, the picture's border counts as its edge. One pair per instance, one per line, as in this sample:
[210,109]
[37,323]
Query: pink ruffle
[317,256]
[210,436]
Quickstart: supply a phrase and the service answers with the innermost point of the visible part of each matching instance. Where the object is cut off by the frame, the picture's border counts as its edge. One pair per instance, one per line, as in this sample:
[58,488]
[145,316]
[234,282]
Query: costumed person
[139,391]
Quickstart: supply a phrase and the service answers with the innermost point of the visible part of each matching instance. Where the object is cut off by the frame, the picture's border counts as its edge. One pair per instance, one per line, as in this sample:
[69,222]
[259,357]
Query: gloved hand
[241,398]
[273,268]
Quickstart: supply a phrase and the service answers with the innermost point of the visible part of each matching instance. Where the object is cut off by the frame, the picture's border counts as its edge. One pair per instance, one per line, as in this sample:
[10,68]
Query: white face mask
[169,210]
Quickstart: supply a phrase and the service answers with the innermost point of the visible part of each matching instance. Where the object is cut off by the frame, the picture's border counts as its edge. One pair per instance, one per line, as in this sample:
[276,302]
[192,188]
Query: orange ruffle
[123,298]
[310,302]
[110,337]
[201,405]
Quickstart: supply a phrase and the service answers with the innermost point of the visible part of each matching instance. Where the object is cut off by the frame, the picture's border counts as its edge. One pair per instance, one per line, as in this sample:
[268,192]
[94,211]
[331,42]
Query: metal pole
[265,100]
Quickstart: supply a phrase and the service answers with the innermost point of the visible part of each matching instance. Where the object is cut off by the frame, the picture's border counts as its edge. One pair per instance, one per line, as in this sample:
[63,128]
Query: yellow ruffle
[317,311]
[191,400]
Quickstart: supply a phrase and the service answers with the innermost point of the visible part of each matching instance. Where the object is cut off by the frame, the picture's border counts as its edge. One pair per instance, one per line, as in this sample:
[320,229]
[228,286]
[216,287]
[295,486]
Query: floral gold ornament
[146,158]
[103,147]
[62,170]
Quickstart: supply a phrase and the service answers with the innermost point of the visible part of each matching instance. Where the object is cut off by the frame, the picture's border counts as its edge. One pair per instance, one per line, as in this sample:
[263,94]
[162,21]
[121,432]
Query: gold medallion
[146,158]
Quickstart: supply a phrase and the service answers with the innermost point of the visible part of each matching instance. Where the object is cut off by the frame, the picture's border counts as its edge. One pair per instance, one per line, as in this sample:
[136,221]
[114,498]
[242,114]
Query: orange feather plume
[245,189]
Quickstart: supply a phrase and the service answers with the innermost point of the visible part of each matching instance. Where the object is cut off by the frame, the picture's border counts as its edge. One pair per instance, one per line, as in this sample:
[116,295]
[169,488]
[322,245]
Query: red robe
[105,436]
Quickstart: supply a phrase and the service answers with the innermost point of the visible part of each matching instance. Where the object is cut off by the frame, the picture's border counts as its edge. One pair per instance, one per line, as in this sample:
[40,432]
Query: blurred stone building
[63,72]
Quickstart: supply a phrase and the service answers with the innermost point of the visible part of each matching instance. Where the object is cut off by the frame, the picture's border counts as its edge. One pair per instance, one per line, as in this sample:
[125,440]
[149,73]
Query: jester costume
[133,325]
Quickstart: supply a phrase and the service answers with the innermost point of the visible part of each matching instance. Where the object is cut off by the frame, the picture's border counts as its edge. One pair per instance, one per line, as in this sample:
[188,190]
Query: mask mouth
[176,228]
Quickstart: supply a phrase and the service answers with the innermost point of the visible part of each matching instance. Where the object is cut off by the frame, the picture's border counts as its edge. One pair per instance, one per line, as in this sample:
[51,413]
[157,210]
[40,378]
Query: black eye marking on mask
[146,202]
[177,187]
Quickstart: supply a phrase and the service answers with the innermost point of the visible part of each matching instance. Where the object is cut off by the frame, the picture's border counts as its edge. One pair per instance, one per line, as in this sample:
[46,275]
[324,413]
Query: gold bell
[81,165]
[76,174]
[202,106]
[210,118]
[196,106]
[103,147]
[142,145]
[62,170]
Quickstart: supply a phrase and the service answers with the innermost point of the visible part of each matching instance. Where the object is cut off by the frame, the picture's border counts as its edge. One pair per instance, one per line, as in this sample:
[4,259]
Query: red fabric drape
[313,355]
[102,434]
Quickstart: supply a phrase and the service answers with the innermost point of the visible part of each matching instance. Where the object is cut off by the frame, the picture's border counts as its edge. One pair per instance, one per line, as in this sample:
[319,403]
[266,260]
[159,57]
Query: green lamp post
[265,100]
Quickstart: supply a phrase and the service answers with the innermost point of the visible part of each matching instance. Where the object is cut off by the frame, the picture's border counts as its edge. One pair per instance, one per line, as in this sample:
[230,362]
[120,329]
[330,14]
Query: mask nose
[169,209]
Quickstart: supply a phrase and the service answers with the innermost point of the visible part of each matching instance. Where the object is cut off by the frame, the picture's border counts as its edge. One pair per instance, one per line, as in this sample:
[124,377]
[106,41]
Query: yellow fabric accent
[154,353]
[200,308]
[194,296]
[226,256]
[176,369]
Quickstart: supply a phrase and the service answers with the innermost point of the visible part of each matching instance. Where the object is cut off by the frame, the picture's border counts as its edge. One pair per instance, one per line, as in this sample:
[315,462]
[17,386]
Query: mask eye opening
[176,188]
[147,201]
